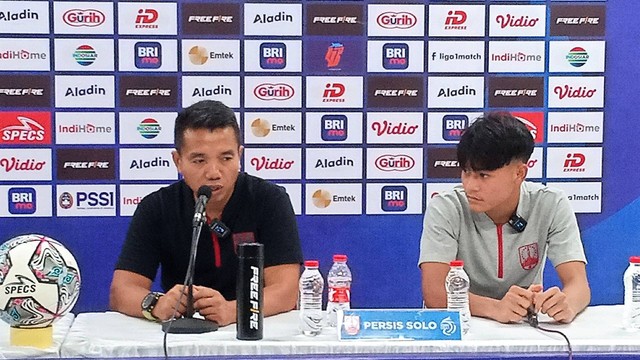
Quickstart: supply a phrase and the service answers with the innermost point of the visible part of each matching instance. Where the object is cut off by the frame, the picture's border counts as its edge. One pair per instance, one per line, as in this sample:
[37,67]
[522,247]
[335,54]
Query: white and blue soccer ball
[39,281]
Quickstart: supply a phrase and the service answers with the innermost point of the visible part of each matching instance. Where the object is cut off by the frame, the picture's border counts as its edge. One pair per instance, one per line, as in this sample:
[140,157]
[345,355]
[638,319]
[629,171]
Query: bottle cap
[456,263]
[634,259]
[311,263]
[251,250]
[339,257]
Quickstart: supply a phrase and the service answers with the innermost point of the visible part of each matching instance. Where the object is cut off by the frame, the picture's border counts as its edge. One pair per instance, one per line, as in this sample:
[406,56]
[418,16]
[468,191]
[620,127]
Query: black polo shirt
[161,229]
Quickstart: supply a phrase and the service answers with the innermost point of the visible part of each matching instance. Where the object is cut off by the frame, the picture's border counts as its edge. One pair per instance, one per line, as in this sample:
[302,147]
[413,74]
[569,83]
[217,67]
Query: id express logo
[395,56]
[394,198]
[333,127]
[146,19]
[273,55]
[22,200]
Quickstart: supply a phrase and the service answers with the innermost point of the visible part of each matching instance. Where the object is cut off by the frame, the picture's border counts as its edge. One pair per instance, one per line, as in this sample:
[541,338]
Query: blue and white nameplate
[405,324]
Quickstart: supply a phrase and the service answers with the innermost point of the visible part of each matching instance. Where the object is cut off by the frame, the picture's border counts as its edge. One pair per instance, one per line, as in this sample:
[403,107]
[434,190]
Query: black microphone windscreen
[204,190]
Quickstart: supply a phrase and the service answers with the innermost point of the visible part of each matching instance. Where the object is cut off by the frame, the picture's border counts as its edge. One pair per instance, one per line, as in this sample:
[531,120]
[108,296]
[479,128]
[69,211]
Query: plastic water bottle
[311,287]
[631,312]
[339,281]
[457,285]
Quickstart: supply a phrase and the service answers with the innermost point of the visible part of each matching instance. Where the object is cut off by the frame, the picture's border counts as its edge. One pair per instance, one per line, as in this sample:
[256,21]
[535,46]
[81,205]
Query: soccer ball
[39,281]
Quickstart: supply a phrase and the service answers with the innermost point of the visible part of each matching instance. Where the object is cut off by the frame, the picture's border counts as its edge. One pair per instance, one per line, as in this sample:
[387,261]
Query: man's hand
[554,303]
[513,306]
[166,305]
[213,306]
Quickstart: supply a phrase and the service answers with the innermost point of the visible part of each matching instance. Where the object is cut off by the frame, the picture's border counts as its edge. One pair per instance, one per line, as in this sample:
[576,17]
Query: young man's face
[210,158]
[491,190]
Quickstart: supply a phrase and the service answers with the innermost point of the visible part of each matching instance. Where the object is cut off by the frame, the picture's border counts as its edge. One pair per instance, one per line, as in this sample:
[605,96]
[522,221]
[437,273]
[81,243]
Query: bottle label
[339,295]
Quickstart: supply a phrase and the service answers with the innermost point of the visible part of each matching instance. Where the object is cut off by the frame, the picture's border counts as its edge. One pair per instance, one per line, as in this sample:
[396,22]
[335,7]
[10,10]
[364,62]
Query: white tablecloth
[60,329]
[111,334]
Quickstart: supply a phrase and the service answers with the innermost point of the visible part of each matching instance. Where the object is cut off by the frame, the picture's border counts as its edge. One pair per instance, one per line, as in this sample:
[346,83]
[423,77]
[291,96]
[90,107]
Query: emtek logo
[453,126]
[394,198]
[273,55]
[22,200]
[395,56]
[333,127]
[148,55]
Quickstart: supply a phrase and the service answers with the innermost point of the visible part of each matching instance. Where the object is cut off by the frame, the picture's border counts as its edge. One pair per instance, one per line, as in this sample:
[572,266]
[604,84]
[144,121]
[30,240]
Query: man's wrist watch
[148,303]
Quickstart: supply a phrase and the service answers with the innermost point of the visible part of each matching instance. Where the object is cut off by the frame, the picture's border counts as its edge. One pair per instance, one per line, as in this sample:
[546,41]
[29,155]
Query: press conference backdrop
[355,107]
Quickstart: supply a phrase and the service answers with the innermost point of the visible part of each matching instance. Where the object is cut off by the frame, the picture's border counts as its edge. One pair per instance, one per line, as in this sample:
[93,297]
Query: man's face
[490,190]
[210,158]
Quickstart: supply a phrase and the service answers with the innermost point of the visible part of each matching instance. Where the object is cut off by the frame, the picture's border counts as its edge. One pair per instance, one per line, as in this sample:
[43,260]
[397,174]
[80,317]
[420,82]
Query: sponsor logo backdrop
[354,108]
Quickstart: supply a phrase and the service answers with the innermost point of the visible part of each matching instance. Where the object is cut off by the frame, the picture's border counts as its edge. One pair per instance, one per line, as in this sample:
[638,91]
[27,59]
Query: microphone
[517,223]
[187,324]
[204,193]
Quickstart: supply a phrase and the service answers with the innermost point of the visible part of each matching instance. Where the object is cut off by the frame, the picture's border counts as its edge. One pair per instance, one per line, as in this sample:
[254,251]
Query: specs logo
[29,130]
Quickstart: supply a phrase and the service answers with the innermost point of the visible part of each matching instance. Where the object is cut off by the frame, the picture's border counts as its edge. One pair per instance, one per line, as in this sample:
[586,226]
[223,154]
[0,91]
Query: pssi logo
[395,56]
[148,55]
[394,198]
[273,55]
[22,200]
[333,127]
[453,126]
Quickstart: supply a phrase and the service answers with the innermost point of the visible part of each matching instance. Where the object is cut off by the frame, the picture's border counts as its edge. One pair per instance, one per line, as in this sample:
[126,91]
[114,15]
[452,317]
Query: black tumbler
[249,291]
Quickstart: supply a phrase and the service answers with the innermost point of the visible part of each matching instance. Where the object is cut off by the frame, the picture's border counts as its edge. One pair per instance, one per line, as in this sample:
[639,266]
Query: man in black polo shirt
[208,151]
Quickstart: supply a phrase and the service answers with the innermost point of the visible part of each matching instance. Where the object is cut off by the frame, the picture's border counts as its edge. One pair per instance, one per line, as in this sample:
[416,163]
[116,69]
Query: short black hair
[493,141]
[205,114]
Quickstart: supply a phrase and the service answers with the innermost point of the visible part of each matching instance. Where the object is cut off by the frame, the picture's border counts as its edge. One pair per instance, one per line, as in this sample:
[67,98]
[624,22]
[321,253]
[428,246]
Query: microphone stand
[188,324]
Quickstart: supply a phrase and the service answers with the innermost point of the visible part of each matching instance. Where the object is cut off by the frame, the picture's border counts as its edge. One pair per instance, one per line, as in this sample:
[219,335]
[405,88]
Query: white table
[60,329]
[105,335]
